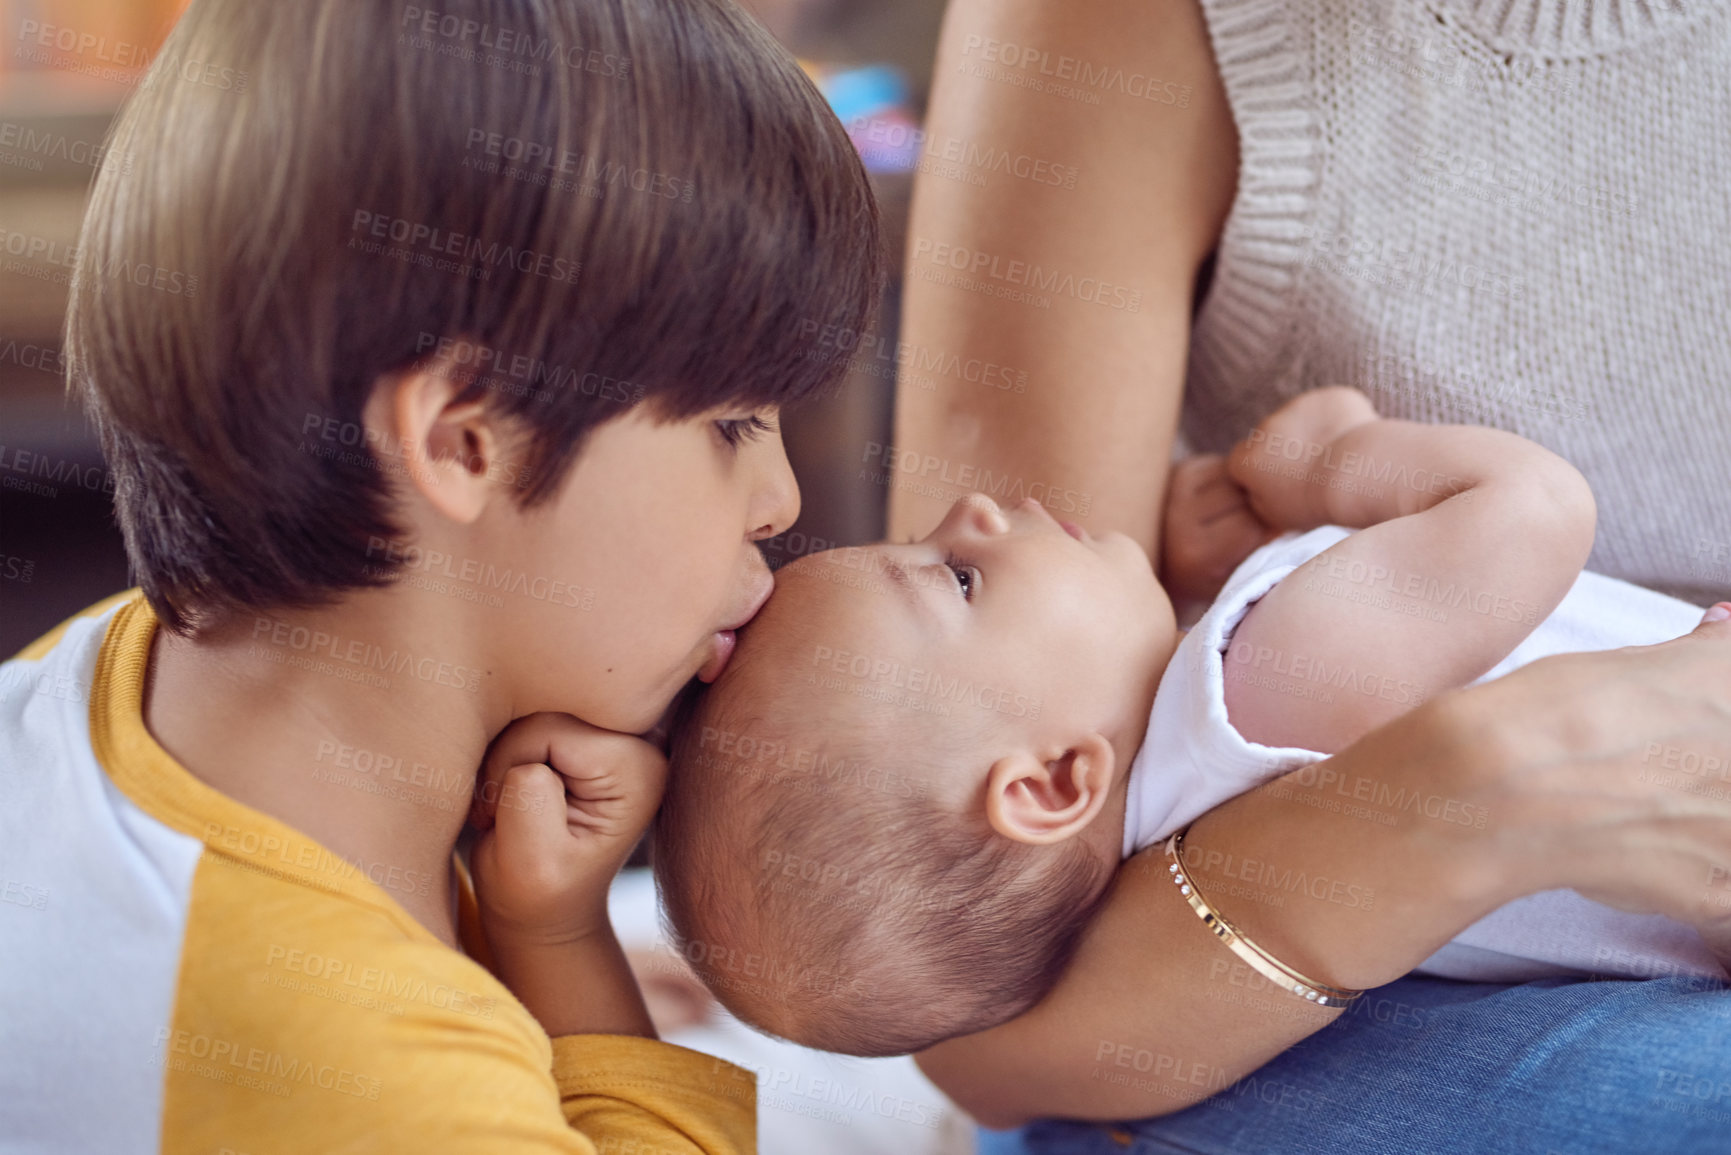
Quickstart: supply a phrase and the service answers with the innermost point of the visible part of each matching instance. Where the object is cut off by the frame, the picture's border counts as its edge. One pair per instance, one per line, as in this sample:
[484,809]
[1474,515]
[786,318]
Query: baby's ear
[1042,802]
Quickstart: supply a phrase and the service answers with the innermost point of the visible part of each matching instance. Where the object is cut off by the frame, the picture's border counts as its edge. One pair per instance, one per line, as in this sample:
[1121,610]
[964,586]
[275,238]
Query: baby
[893,815]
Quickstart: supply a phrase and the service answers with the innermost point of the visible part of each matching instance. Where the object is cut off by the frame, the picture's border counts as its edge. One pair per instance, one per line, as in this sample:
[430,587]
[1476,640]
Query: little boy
[897,811]
[437,371]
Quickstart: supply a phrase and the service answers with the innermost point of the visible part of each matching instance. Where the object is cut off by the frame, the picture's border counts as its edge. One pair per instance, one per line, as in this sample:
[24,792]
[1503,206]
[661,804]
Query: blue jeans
[1436,1067]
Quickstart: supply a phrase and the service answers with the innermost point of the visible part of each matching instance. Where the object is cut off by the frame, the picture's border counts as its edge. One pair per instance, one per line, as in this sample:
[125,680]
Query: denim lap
[1448,1068]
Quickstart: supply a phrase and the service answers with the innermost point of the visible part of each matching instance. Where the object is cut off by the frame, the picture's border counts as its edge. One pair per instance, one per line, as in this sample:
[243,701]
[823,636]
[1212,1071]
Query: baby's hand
[1278,462]
[1208,531]
[562,804]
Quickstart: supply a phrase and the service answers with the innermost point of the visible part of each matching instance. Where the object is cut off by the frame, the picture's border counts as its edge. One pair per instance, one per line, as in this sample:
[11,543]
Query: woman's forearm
[1335,870]
[1356,869]
[1076,335]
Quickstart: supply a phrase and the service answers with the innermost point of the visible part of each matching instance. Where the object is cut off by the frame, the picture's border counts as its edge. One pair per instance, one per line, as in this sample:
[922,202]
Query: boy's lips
[724,639]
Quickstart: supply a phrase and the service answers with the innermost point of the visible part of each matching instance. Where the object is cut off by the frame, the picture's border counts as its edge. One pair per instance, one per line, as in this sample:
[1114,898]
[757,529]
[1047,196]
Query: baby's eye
[967,576]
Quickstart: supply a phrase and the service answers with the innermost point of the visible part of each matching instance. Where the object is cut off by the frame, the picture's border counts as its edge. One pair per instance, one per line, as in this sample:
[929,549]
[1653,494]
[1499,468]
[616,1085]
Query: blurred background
[65,68]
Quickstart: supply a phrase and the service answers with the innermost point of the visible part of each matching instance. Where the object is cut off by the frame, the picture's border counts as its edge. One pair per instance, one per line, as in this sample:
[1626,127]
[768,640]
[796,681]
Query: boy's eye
[967,576]
[737,430]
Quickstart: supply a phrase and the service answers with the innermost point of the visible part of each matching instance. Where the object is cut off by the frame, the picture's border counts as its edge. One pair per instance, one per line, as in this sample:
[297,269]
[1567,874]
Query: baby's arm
[1469,537]
[561,803]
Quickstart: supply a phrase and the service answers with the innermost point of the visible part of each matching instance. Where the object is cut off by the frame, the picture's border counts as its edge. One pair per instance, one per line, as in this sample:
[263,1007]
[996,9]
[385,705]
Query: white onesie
[1193,759]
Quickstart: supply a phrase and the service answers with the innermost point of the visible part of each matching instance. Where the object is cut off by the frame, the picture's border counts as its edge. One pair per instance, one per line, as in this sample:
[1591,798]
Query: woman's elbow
[984,1099]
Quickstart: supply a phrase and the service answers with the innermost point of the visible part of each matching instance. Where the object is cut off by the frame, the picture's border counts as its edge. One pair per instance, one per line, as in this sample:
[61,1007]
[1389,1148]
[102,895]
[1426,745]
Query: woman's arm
[1089,432]
[1154,1014]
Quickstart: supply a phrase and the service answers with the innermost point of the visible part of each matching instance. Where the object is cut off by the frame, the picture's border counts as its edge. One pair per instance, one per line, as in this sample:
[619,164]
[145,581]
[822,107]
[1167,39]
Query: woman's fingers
[1610,773]
[1715,926]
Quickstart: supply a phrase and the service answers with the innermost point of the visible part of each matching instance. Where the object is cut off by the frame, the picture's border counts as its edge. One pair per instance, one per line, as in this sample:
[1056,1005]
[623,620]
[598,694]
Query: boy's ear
[445,450]
[1045,802]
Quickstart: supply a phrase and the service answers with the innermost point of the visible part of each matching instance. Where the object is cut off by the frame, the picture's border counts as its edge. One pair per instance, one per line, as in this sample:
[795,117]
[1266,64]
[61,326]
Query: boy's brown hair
[588,203]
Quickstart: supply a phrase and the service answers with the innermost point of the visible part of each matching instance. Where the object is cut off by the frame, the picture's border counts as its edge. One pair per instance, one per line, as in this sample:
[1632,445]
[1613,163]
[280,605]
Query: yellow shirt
[183,969]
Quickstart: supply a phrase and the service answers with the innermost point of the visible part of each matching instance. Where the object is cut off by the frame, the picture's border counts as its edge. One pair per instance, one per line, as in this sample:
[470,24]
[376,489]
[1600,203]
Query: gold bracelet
[1260,960]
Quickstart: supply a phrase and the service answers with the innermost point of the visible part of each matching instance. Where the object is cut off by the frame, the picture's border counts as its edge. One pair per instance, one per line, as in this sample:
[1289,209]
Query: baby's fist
[1208,531]
[561,803]
[1280,465]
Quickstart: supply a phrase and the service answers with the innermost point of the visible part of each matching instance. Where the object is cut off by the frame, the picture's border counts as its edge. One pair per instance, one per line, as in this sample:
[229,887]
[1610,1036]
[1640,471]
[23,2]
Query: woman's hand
[562,804]
[1209,529]
[1611,773]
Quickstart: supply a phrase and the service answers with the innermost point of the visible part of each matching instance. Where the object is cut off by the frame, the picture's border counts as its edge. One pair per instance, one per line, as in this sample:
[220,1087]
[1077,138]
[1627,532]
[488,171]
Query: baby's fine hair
[822,887]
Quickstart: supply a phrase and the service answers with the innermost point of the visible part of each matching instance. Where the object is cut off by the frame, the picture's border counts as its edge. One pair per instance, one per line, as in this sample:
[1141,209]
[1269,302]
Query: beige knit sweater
[1509,212]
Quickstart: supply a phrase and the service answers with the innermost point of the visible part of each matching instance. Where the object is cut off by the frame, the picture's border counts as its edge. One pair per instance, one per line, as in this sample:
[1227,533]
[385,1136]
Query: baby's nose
[984,514]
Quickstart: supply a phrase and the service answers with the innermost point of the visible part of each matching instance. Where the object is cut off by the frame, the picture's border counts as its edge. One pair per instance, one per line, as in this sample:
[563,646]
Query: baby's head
[891,817]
